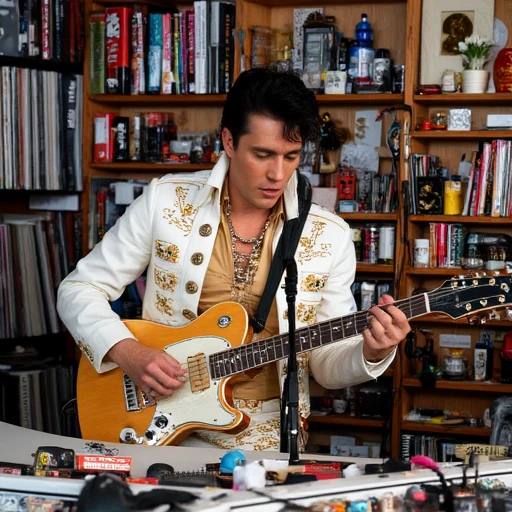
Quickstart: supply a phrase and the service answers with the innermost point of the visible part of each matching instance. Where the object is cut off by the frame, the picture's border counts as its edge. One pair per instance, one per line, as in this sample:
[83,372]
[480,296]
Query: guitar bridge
[131,397]
[198,375]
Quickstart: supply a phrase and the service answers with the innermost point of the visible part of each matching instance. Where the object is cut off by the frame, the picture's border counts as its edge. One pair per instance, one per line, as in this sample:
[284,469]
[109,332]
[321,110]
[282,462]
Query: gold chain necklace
[235,235]
[245,266]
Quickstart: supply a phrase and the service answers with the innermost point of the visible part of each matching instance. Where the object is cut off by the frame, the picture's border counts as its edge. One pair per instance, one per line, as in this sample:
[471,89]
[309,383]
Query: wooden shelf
[219,99]
[496,98]
[39,63]
[168,4]
[468,135]
[372,268]
[360,99]
[309,3]
[436,271]
[463,385]
[461,219]
[147,167]
[344,419]
[368,217]
[161,99]
[452,430]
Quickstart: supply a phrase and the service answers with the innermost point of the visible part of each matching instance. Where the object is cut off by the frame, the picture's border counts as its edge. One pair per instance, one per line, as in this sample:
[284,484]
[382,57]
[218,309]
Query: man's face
[261,165]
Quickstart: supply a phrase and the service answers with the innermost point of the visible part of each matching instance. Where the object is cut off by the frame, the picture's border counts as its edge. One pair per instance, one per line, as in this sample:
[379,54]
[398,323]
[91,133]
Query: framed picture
[445,23]
[317,54]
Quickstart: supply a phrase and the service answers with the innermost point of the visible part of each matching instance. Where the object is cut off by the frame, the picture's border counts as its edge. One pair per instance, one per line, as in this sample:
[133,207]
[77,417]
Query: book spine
[97,27]
[214,44]
[167,55]
[23,34]
[229,47]
[70,94]
[183,52]
[155,52]
[103,137]
[45,30]
[34,28]
[190,17]
[441,235]
[433,244]
[118,49]
[58,29]
[138,51]
[200,31]
[176,46]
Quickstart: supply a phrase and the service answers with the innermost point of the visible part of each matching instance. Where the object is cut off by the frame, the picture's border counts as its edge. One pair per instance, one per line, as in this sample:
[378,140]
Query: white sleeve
[101,276]
[342,364]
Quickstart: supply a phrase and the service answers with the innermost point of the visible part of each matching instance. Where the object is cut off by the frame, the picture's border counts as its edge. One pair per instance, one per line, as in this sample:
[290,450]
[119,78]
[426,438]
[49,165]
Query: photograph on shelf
[444,24]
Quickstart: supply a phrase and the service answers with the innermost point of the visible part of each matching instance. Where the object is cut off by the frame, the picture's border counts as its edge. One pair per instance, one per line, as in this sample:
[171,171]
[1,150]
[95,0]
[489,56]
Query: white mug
[339,405]
[421,252]
[335,82]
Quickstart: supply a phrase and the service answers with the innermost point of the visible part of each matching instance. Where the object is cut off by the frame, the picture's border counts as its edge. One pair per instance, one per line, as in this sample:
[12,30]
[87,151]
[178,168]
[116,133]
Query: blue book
[155,52]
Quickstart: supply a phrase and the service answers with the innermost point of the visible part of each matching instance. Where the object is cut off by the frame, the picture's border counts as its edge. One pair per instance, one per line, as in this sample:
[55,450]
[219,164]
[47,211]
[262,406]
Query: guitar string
[277,341]
[435,295]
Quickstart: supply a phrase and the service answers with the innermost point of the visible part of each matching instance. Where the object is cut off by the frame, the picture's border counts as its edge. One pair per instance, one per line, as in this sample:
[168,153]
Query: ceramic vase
[502,70]
[475,81]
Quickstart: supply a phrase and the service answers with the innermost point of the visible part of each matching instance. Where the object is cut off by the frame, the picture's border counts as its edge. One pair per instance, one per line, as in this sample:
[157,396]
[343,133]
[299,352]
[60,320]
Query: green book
[97,22]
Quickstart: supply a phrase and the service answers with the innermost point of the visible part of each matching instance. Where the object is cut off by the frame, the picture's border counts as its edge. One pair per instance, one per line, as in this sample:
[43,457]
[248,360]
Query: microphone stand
[290,398]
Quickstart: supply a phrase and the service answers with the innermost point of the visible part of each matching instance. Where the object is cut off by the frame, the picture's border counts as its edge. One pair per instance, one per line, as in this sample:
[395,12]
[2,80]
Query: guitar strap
[285,251]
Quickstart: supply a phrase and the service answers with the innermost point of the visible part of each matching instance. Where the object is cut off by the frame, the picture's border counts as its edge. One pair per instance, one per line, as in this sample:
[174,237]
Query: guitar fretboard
[261,352]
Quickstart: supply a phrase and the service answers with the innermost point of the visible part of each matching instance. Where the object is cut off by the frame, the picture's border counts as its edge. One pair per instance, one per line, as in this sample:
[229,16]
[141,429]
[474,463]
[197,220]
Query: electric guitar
[111,408]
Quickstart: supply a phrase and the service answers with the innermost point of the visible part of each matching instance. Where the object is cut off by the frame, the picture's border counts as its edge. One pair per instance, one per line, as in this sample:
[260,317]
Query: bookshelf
[402,38]
[200,112]
[41,90]
[465,397]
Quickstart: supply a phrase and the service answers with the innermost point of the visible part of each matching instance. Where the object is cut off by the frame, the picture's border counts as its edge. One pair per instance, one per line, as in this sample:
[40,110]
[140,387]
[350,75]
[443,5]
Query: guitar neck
[261,352]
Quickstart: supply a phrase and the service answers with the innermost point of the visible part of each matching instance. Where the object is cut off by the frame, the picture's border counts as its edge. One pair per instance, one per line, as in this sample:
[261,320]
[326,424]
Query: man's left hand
[388,326]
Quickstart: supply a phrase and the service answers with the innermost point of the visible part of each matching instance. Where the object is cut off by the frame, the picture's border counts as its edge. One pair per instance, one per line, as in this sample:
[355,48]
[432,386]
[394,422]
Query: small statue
[332,137]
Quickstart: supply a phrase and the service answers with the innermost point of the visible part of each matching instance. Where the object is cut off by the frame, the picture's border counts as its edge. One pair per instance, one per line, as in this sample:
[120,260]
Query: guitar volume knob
[128,436]
[161,422]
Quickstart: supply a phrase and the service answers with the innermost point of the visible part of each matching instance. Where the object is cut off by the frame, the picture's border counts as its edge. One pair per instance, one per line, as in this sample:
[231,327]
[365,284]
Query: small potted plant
[476,51]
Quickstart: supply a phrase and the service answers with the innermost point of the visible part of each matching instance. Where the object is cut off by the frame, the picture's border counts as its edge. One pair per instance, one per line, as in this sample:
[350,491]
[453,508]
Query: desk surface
[17,445]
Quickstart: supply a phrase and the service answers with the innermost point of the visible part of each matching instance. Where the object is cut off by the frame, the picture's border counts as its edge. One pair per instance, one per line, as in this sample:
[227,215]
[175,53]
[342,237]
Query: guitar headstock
[480,293]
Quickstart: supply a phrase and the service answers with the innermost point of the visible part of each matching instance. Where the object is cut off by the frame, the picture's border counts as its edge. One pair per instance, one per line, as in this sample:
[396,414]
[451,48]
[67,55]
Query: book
[139,22]
[155,52]
[201,46]
[168,78]
[103,137]
[118,47]
[97,50]
[190,49]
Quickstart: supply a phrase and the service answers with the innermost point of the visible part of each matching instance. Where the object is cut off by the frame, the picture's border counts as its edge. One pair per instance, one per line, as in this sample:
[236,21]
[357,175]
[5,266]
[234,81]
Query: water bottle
[361,53]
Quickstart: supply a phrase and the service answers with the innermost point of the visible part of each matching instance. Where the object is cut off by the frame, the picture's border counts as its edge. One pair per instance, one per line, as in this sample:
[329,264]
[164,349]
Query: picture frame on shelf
[317,54]
[445,23]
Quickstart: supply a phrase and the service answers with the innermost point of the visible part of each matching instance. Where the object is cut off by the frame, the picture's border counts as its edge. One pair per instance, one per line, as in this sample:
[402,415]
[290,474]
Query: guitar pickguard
[192,404]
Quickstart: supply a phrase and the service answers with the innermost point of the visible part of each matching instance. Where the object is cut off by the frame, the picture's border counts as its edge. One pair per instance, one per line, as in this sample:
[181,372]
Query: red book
[103,137]
[46,30]
[442,244]
[118,43]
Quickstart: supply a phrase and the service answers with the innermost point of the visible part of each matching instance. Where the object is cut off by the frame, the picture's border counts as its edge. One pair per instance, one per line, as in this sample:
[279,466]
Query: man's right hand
[152,370]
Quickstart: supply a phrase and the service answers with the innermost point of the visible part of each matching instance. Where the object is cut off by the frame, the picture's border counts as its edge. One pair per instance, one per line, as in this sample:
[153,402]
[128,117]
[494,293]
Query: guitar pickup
[198,375]
[131,397]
